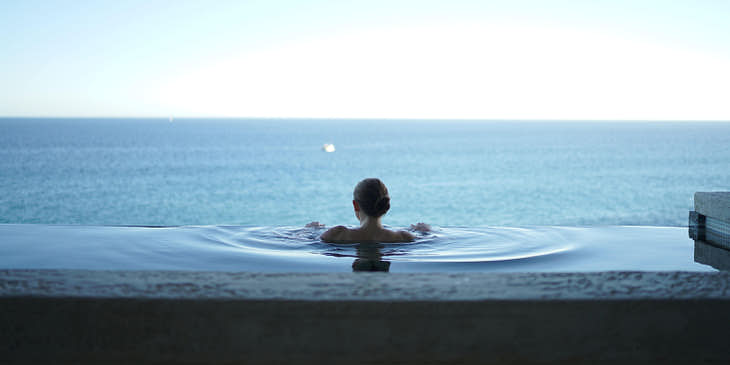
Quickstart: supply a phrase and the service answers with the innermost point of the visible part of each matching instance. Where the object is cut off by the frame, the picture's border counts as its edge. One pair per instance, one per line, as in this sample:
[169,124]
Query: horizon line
[373,118]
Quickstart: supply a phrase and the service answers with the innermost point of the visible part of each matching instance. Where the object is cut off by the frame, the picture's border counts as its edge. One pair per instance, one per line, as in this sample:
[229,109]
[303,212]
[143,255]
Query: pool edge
[79,316]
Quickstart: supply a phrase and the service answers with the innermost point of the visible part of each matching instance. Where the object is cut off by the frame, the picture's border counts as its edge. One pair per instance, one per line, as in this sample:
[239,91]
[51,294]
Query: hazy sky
[396,59]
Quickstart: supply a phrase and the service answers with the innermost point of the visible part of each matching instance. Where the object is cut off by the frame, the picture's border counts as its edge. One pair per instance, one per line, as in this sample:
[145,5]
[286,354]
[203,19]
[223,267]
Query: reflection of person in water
[369,258]
[370,201]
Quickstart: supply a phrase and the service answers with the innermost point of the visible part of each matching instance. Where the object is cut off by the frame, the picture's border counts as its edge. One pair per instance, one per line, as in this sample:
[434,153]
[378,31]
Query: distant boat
[171,119]
[328,147]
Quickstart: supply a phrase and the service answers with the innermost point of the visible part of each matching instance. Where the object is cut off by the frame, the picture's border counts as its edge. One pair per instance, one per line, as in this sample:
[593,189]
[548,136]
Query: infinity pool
[296,249]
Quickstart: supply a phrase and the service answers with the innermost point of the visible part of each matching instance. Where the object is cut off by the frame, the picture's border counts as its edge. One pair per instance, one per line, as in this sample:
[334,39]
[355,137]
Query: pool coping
[608,285]
[83,316]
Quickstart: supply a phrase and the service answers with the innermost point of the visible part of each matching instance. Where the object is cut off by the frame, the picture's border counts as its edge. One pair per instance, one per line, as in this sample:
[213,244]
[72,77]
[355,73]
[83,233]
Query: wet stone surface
[364,286]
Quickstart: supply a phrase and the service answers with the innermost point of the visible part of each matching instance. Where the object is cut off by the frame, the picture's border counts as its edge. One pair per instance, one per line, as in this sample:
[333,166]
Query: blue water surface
[273,172]
[298,249]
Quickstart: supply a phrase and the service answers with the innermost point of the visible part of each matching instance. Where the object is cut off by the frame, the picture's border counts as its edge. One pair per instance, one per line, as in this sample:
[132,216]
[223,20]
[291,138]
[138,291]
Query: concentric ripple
[453,245]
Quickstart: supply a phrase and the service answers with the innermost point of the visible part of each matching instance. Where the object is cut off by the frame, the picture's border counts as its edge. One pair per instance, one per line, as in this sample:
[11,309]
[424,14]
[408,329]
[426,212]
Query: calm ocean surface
[274,172]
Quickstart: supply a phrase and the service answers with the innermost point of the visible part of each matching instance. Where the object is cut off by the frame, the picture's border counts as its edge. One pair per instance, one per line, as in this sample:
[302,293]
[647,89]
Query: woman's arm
[407,236]
[420,227]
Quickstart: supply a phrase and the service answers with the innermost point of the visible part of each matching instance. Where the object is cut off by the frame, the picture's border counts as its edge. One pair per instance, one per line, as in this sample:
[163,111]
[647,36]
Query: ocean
[274,172]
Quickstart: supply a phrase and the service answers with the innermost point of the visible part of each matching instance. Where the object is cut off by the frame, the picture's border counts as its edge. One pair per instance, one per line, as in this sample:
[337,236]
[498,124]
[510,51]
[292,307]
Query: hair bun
[382,205]
[372,196]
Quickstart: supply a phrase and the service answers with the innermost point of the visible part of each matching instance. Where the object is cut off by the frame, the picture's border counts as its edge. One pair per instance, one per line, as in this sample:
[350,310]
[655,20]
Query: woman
[370,201]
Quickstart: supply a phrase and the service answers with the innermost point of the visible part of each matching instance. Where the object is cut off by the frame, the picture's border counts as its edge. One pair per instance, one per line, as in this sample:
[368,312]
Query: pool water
[298,249]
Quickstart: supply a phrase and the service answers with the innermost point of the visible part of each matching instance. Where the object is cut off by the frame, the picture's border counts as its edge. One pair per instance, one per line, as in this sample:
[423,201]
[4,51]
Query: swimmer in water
[370,201]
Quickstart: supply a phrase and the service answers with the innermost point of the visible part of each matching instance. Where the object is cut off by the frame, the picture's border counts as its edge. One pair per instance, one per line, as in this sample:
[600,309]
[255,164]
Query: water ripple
[453,245]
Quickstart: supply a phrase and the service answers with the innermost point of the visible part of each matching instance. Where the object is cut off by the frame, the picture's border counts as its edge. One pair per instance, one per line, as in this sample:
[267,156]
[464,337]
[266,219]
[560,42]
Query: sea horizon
[274,172]
[403,119]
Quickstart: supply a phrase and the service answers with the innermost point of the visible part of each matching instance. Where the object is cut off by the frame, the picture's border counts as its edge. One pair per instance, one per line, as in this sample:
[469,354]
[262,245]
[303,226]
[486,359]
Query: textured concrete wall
[153,317]
[713,204]
[709,254]
[709,225]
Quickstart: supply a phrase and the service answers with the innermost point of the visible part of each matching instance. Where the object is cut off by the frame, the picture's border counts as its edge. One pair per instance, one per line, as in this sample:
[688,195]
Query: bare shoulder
[333,234]
[396,236]
[407,236]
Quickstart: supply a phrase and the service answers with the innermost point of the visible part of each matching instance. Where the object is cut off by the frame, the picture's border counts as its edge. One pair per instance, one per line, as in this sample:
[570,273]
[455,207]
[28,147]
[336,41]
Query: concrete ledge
[713,204]
[708,254]
[710,222]
[193,317]
[611,285]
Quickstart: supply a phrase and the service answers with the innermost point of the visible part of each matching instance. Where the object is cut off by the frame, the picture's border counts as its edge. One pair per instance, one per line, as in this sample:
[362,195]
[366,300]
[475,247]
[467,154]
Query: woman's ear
[355,206]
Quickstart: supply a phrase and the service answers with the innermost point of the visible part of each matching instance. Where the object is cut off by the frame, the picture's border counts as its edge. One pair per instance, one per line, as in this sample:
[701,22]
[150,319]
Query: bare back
[342,234]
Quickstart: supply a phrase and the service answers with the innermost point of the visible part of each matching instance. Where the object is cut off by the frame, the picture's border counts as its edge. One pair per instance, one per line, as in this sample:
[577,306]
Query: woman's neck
[369,223]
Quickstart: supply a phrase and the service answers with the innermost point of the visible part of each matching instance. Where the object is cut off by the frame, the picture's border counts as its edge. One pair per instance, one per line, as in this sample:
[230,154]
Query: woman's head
[372,197]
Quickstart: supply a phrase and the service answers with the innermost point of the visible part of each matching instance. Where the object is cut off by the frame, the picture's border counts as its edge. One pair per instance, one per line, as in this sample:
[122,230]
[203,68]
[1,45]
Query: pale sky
[616,60]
